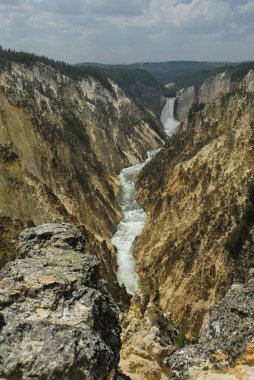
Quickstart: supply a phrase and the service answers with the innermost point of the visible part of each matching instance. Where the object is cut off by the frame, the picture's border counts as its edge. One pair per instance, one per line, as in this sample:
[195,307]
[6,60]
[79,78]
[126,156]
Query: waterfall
[167,117]
[134,216]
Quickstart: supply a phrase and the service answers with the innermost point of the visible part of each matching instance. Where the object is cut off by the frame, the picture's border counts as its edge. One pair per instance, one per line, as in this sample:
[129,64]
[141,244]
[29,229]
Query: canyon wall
[62,144]
[184,101]
[212,87]
[196,192]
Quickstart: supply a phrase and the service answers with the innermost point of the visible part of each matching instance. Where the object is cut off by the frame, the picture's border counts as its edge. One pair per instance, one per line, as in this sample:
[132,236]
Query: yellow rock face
[193,191]
[248,357]
[146,341]
[62,144]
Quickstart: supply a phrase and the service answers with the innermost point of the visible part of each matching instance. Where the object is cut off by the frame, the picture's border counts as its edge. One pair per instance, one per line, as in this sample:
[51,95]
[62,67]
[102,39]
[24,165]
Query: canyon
[63,143]
[194,201]
[54,134]
[195,192]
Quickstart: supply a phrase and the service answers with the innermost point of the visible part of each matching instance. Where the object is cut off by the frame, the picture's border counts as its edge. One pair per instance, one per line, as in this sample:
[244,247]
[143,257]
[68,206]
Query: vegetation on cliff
[240,71]
[53,167]
[57,122]
[190,191]
[181,74]
[238,236]
[137,83]
[8,55]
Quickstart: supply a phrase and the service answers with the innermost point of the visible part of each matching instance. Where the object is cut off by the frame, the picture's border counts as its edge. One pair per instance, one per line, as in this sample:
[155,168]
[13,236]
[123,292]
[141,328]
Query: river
[134,216]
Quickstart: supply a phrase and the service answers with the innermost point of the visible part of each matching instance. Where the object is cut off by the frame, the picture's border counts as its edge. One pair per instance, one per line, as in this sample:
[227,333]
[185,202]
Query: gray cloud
[119,8]
[10,2]
[130,30]
[247,7]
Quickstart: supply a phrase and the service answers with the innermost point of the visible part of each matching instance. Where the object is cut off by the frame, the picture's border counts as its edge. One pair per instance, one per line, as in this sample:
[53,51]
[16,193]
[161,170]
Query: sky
[127,31]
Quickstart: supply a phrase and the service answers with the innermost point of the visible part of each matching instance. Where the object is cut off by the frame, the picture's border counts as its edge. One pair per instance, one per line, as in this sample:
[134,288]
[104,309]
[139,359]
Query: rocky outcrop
[212,88]
[216,86]
[193,203]
[247,83]
[223,84]
[184,100]
[226,350]
[62,144]
[57,319]
[148,339]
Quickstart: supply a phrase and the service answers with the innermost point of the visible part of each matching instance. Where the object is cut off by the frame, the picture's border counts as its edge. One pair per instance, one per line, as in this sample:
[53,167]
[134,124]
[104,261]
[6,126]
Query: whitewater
[134,216]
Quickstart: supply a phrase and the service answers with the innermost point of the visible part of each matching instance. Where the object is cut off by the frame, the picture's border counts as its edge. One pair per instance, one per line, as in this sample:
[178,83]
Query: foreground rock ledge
[57,319]
[226,350]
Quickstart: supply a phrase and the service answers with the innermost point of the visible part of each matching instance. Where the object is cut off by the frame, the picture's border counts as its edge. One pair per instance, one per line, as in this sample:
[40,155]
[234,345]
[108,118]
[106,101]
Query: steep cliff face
[148,97]
[195,192]
[219,85]
[57,319]
[184,101]
[62,145]
[247,83]
[216,86]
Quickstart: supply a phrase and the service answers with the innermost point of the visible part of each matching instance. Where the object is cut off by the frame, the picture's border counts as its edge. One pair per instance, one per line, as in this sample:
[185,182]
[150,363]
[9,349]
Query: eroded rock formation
[57,319]
[148,339]
[195,191]
[184,101]
[226,350]
[62,144]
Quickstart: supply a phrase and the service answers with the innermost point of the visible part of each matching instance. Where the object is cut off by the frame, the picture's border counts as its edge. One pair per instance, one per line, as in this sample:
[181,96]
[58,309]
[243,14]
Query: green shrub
[236,239]
[8,55]
[75,128]
[240,71]
[248,213]
[239,234]
[196,107]
[251,192]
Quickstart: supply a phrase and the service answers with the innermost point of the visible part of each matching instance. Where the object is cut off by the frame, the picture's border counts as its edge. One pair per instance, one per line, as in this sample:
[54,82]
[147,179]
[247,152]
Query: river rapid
[134,216]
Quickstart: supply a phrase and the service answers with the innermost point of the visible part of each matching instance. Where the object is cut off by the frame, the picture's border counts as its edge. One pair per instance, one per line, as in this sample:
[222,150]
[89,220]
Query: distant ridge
[181,73]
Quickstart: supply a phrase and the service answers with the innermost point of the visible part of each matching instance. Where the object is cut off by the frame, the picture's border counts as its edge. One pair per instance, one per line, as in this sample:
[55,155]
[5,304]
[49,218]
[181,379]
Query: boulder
[226,350]
[57,319]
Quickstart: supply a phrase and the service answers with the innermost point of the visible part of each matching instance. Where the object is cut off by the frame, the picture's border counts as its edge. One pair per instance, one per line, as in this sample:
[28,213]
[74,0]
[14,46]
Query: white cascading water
[134,216]
[167,117]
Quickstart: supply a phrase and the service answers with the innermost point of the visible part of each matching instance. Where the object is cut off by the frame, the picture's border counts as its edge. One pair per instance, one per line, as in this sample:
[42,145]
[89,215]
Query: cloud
[118,8]
[91,7]
[183,14]
[200,11]
[10,2]
[194,14]
[128,30]
[247,7]
[61,7]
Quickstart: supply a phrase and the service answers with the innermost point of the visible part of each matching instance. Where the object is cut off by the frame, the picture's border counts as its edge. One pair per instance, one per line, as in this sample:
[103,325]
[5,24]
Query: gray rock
[57,319]
[230,328]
